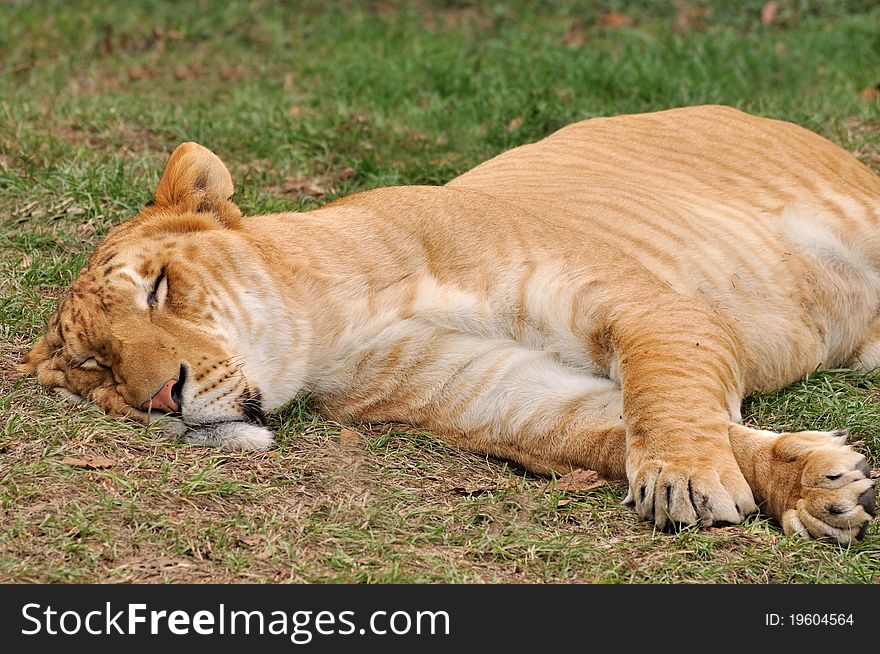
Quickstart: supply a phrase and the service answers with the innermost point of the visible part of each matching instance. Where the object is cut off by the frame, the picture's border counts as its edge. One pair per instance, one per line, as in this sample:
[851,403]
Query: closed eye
[160,290]
[91,364]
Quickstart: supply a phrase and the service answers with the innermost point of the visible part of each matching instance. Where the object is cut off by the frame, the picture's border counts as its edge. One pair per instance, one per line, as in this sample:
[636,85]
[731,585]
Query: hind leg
[539,413]
[499,398]
[811,482]
[867,354]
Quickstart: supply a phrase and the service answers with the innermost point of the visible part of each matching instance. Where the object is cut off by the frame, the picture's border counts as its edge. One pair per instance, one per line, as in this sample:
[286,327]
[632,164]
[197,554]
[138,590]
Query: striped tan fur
[603,298]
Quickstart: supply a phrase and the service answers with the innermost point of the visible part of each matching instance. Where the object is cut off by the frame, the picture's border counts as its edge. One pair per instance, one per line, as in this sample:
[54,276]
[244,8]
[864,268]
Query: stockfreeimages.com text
[301,626]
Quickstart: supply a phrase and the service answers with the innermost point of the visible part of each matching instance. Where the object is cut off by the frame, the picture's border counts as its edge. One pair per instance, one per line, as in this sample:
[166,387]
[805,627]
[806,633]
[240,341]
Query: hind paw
[833,497]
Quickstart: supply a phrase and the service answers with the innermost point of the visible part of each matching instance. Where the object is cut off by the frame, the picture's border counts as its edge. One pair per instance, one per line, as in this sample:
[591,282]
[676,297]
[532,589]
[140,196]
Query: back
[654,184]
[768,223]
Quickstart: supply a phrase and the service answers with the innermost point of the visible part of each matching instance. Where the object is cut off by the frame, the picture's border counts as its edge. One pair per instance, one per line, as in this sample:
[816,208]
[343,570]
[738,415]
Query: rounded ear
[195,179]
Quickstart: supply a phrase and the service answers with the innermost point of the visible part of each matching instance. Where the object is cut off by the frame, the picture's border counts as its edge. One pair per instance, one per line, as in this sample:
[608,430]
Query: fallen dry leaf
[574,37]
[188,73]
[86,229]
[265,555]
[231,74]
[138,73]
[870,93]
[284,573]
[299,186]
[89,462]
[161,563]
[251,541]
[170,34]
[106,46]
[580,480]
[769,13]
[514,124]
[474,490]
[342,174]
[349,438]
[613,19]
[689,17]
[563,94]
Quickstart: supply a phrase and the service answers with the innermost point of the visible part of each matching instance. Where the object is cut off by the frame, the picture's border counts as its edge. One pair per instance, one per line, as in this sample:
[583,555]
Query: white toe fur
[792,525]
[67,395]
[241,436]
[167,423]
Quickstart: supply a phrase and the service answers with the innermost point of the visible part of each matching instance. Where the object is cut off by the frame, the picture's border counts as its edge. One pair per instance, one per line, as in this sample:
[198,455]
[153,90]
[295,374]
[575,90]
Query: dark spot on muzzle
[252,407]
[177,389]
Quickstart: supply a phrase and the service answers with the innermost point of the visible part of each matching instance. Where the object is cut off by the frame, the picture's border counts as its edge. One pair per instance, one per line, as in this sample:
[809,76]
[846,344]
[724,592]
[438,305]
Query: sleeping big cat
[603,298]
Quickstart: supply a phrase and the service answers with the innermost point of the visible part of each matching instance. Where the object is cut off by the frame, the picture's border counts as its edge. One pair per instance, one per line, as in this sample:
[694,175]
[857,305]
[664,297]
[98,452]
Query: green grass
[306,104]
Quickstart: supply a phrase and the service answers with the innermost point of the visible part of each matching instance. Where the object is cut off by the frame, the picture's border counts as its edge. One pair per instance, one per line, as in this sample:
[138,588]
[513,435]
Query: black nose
[177,389]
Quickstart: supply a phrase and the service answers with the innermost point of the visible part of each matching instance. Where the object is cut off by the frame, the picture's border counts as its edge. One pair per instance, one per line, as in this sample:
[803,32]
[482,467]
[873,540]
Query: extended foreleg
[681,387]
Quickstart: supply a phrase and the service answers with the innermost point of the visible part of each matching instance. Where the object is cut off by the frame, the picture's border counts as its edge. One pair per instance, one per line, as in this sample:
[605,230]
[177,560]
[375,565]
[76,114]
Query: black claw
[867,502]
[668,496]
[673,527]
[693,500]
[704,503]
[642,492]
[722,523]
[862,531]
[863,467]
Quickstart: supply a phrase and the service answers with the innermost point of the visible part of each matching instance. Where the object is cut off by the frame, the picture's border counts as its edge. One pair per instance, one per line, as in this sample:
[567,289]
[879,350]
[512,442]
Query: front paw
[834,496]
[241,436]
[676,493]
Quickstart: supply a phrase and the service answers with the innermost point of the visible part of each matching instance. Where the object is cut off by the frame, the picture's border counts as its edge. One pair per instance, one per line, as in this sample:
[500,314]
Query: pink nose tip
[162,401]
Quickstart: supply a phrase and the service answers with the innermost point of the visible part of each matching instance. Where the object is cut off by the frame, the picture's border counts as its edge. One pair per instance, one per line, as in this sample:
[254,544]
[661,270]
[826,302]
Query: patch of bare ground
[319,508]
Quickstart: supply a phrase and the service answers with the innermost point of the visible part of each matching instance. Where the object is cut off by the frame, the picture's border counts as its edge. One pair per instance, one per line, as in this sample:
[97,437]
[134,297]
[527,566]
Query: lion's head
[164,320]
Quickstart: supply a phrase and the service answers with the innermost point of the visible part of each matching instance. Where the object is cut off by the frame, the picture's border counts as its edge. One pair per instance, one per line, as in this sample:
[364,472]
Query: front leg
[680,378]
